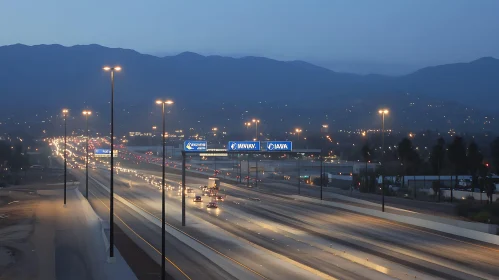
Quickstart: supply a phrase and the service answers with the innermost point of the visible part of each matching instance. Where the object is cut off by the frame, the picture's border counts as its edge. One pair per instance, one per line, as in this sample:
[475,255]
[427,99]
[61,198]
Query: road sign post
[183,188]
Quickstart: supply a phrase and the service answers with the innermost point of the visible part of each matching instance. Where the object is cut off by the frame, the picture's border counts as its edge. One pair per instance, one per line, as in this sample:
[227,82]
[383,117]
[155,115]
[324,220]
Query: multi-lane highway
[259,235]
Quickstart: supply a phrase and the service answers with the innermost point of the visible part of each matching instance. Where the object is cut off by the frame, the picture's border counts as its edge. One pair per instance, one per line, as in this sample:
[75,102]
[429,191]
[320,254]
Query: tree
[5,152]
[494,150]
[437,158]
[457,156]
[18,160]
[409,158]
[366,155]
[405,151]
[489,189]
[475,159]
[483,171]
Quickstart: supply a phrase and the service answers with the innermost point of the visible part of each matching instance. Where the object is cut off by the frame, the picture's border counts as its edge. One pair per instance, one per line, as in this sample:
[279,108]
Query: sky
[384,32]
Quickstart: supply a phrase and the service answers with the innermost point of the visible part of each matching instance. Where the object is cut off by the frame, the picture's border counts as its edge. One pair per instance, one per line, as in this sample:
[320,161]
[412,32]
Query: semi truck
[213,183]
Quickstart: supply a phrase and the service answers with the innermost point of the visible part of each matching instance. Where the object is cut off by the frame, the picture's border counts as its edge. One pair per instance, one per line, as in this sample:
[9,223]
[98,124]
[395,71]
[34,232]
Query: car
[197,199]
[189,190]
[212,205]
[219,198]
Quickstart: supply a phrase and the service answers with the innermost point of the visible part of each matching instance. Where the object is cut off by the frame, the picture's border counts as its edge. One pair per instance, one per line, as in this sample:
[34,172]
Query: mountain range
[222,91]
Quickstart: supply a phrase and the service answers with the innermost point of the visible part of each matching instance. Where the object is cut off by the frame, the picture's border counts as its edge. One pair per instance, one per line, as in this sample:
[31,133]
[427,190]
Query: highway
[259,235]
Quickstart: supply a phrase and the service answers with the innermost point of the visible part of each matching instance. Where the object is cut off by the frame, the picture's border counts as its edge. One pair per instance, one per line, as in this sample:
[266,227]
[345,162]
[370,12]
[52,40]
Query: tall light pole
[256,127]
[86,113]
[383,112]
[153,133]
[247,124]
[163,229]
[298,131]
[111,180]
[65,114]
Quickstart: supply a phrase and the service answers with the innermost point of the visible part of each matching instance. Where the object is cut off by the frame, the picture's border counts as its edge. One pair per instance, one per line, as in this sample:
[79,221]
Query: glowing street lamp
[65,115]
[256,122]
[86,113]
[383,112]
[111,179]
[163,229]
[298,131]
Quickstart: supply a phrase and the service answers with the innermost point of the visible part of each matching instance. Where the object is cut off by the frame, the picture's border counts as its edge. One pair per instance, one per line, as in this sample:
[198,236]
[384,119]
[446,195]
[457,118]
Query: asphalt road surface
[262,235]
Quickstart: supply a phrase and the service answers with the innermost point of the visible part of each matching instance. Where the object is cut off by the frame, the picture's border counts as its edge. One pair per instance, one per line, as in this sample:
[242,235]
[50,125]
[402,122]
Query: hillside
[219,90]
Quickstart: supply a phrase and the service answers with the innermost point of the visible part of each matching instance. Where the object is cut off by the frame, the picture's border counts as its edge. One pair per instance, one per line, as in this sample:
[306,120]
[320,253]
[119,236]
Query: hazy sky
[386,31]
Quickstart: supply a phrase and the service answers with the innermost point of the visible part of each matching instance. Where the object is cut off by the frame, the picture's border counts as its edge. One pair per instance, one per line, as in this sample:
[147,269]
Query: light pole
[111,180]
[86,113]
[298,131]
[163,229]
[153,133]
[256,127]
[247,124]
[65,114]
[383,112]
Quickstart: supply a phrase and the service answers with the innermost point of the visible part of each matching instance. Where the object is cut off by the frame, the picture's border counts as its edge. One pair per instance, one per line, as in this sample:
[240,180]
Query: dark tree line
[455,158]
[13,158]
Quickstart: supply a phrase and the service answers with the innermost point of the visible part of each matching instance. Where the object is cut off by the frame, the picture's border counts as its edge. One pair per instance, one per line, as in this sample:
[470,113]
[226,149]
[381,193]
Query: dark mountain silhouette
[223,91]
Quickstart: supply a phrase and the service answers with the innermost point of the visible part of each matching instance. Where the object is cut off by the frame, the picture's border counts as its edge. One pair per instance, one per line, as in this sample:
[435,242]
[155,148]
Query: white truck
[213,183]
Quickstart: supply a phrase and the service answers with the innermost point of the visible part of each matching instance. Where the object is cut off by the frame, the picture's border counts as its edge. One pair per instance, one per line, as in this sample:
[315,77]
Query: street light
[152,135]
[163,229]
[111,179]
[256,126]
[247,124]
[383,112]
[298,131]
[86,113]
[65,114]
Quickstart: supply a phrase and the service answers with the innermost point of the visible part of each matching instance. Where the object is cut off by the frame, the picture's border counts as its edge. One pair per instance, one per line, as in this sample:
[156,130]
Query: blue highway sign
[279,146]
[104,153]
[195,146]
[243,146]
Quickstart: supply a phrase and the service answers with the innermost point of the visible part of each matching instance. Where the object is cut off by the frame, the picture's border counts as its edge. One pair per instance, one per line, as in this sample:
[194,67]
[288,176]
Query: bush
[463,209]
[482,217]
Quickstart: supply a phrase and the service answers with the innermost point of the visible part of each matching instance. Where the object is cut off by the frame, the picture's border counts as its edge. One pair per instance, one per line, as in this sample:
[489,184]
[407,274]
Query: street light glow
[87,112]
[115,68]
[298,130]
[383,111]
[255,121]
[168,102]
[65,111]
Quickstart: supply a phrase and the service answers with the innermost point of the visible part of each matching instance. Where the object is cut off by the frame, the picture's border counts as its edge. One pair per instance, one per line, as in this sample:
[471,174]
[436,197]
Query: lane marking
[193,238]
[139,236]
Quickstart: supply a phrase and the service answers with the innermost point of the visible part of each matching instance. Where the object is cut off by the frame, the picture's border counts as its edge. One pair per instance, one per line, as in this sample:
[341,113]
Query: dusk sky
[389,31]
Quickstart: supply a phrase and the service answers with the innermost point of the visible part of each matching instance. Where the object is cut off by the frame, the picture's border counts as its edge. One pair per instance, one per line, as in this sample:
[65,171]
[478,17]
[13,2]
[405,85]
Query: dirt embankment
[16,225]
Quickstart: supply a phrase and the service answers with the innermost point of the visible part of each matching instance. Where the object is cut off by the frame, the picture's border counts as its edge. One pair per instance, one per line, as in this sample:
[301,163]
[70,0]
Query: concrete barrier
[487,228]
[438,226]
